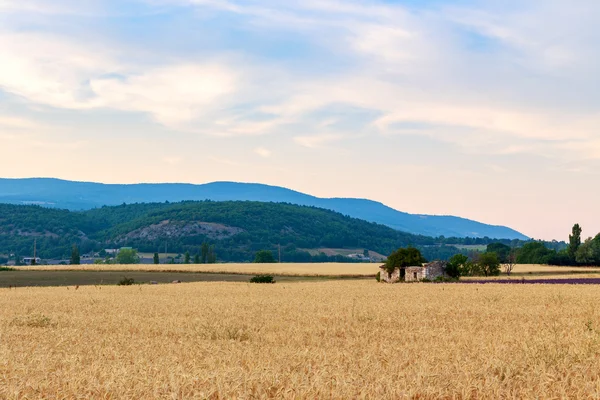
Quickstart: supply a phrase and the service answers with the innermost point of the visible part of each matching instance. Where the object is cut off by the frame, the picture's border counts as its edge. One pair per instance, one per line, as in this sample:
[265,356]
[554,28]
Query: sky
[488,110]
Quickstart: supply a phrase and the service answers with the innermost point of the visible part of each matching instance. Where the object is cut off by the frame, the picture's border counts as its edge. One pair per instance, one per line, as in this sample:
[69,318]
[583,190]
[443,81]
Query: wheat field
[326,339]
[287,269]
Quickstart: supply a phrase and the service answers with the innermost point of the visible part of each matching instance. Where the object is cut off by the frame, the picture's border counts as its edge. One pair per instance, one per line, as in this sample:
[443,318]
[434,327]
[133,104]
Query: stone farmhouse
[429,271]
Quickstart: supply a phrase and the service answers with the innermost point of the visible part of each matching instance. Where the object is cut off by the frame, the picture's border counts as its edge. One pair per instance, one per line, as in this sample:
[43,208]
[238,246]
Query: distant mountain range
[86,195]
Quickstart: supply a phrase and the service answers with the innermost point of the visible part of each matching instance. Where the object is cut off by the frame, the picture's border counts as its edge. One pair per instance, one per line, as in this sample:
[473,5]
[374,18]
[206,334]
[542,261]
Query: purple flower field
[565,281]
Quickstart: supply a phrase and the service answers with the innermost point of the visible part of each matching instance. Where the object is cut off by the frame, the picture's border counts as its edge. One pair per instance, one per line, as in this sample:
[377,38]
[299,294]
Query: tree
[510,262]
[186,259]
[489,264]
[574,241]
[204,251]
[212,256]
[534,253]
[264,257]
[196,258]
[128,256]
[500,249]
[75,258]
[366,253]
[156,259]
[457,266]
[589,252]
[404,257]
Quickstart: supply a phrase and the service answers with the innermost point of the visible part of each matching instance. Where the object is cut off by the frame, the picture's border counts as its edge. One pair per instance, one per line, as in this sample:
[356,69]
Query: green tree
[156,259]
[212,256]
[502,250]
[404,257]
[589,252]
[204,251]
[574,241]
[534,253]
[489,264]
[458,266]
[264,257]
[128,256]
[186,259]
[197,258]
[75,257]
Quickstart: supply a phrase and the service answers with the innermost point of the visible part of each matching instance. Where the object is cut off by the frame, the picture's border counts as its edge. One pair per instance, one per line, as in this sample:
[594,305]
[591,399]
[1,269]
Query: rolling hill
[237,229]
[85,195]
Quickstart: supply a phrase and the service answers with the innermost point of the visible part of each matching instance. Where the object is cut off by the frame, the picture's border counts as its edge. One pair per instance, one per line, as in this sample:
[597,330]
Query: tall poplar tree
[574,241]
[75,258]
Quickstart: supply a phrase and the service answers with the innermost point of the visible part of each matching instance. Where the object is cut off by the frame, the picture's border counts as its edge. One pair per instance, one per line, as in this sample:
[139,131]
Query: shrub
[7,269]
[262,279]
[126,281]
[378,276]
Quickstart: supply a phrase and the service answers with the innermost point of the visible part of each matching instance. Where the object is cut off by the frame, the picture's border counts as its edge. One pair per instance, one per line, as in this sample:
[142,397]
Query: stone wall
[435,269]
[389,278]
[414,274]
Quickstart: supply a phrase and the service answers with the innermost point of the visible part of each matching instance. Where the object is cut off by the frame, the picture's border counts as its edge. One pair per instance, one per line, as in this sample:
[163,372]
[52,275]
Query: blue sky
[483,109]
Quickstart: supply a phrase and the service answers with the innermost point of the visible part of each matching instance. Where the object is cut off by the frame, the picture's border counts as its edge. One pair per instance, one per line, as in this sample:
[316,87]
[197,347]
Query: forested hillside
[236,229]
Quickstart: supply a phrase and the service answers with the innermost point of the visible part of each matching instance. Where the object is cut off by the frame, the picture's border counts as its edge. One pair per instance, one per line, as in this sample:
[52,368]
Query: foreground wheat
[333,339]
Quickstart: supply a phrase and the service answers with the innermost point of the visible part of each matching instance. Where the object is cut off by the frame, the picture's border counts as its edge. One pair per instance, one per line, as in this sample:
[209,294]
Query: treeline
[575,253]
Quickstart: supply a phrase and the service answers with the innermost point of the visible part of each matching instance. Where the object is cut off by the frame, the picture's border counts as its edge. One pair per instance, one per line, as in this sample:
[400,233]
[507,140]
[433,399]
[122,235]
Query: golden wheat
[286,269]
[329,339]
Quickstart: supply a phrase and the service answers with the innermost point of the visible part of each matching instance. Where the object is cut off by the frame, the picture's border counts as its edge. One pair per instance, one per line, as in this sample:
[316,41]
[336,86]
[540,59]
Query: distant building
[417,273]
[29,260]
[111,251]
[359,256]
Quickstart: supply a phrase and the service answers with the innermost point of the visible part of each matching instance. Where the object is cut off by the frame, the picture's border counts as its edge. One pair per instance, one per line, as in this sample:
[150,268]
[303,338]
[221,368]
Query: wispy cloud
[471,79]
[263,152]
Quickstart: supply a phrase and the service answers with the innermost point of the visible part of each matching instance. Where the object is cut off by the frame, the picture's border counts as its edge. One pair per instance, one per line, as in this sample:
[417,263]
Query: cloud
[261,151]
[316,141]
[478,75]
[174,95]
